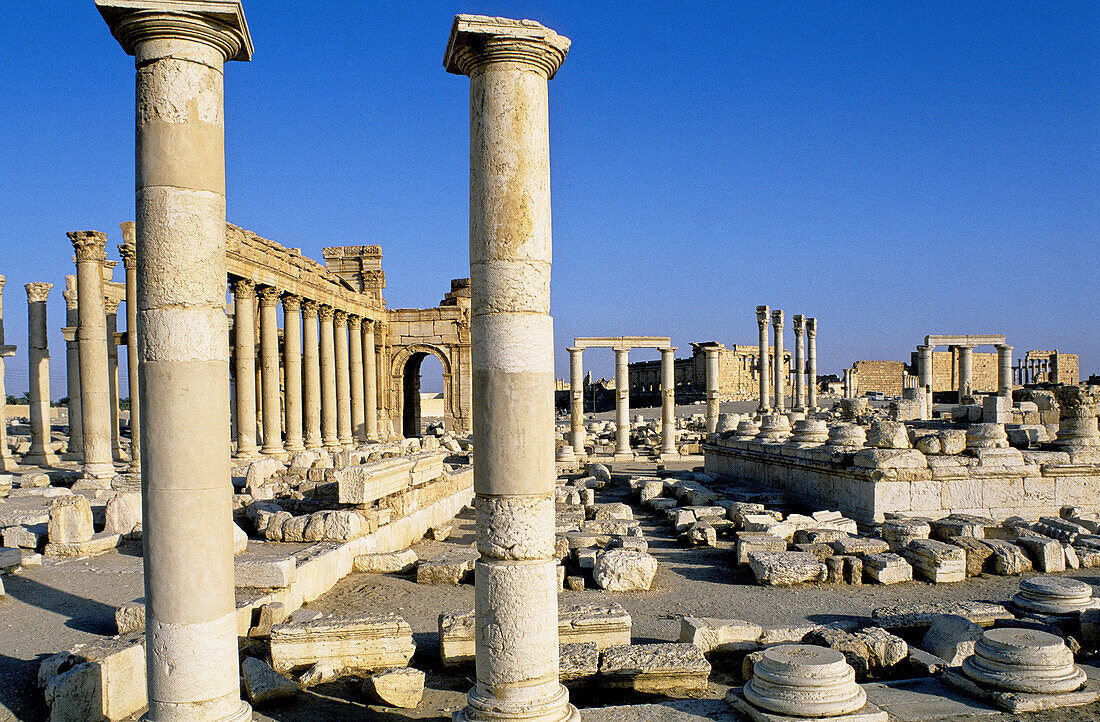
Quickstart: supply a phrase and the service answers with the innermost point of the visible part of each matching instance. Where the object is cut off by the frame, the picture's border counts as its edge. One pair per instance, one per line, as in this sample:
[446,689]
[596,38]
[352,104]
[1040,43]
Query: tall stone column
[355,374]
[269,368]
[329,429]
[516,586]
[924,374]
[622,402]
[370,381]
[110,306]
[1004,371]
[244,358]
[762,321]
[780,370]
[75,449]
[129,260]
[576,400]
[712,386]
[343,379]
[311,378]
[668,399]
[292,373]
[38,358]
[797,325]
[7,459]
[91,338]
[192,668]
[966,386]
[811,363]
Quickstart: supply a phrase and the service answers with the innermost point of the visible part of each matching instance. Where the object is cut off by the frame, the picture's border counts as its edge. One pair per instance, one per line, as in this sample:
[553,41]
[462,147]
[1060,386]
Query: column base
[242,714]
[668,456]
[623,456]
[47,459]
[247,454]
[100,471]
[479,709]
[8,463]
[292,448]
[275,453]
[310,445]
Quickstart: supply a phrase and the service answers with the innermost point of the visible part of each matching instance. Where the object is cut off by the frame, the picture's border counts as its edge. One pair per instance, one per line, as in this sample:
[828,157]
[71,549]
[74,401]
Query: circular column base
[482,709]
[241,714]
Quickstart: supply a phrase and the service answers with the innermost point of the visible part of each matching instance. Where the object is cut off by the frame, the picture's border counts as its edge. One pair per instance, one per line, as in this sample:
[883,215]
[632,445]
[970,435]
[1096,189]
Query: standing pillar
[1004,372]
[192,667]
[75,449]
[91,338]
[811,363]
[129,261]
[924,376]
[966,355]
[311,377]
[292,373]
[244,356]
[762,321]
[38,357]
[385,429]
[329,433]
[516,586]
[355,374]
[797,325]
[343,379]
[111,307]
[668,400]
[269,368]
[712,386]
[7,459]
[780,369]
[576,399]
[370,381]
[622,402]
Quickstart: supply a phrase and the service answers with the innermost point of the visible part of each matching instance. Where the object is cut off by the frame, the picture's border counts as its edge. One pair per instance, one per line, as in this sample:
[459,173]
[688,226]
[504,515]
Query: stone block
[921,615]
[887,568]
[386,563]
[453,570]
[103,680]
[578,660]
[855,649]
[97,544]
[720,635]
[898,533]
[31,536]
[123,513]
[888,435]
[668,669]
[263,685]
[70,520]
[1008,559]
[859,546]
[961,494]
[781,569]
[749,542]
[623,570]
[372,481]
[887,650]
[936,561]
[266,617]
[402,687]
[268,573]
[977,554]
[1047,555]
[130,617]
[613,512]
[889,459]
[359,642]
[951,638]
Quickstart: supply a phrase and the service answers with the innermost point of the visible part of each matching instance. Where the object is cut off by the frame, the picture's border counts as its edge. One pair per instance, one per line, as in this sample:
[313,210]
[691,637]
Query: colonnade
[772,375]
[963,347]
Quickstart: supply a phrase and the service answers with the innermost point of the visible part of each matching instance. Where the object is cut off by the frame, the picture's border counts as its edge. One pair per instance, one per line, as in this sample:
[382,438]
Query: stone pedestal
[244,359]
[1023,660]
[1077,426]
[511,334]
[747,430]
[712,387]
[129,258]
[811,363]
[292,373]
[986,436]
[847,435]
[668,400]
[808,432]
[779,372]
[38,359]
[311,376]
[762,321]
[774,427]
[269,370]
[1054,596]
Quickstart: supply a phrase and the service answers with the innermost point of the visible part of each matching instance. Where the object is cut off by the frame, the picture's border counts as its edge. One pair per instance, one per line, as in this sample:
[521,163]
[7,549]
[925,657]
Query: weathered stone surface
[623,570]
[386,563]
[888,435]
[818,535]
[612,512]
[70,520]
[130,617]
[951,638]
[749,542]
[1008,559]
[452,571]
[859,546]
[263,685]
[977,554]
[1054,596]
[1023,660]
[702,534]
[922,615]
[1046,554]
[720,635]
[24,537]
[801,680]
[403,687]
[264,572]
[781,569]
[855,650]
[670,669]
[886,649]
[101,680]
[366,642]
[889,459]
[953,441]
[887,568]
[123,513]
[899,532]
[267,616]
[578,660]
[936,561]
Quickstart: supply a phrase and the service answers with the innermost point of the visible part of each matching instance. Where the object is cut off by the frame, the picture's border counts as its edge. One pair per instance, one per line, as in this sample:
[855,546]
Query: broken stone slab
[34,480]
[130,616]
[101,680]
[899,532]
[858,546]
[887,568]
[936,561]
[951,638]
[782,569]
[855,650]
[386,563]
[670,669]
[1060,529]
[30,536]
[749,542]
[263,685]
[403,687]
[820,550]
[97,544]
[921,615]
[362,642]
[70,520]
[578,660]
[441,532]
[264,572]
[624,570]
[720,635]
[613,512]
[977,553]
[702,534]
[960,525]
[887,650]
[266,617]
[122,513]
[453,570]
[888,435]
[1008,559]
[374,480]
[1047,555]
[818,536]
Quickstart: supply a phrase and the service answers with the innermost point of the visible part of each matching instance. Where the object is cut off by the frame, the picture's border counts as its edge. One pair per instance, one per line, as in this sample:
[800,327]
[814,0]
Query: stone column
[91,338]
[311,378]
[780,370]
[110,306]
[292,373]
[1004,372]
[7,460]
[75,450]
[966,355]
[192,668]
[129,260]
[811,363]
[370,382]
[576,399]
[924,374]
[244,356]
[269,368]
[355,373]
[329,430]
[38,359]
[516,586]
[622,402]
[712,385]
[343,379]
[797,325]
[668,399]
[762,321]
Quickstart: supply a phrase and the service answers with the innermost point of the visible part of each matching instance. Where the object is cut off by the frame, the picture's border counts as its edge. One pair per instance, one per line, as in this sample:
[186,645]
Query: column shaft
[269,368]
[965,378]
[811,363]
[112,378]
[244,356]
[343,379]
[780,367]
[329,431]
[355,374]
[797,324]
[91,337]
[370,381]
[924,373]
[1004,369]
[38,358]
[311,378]
[712,359]
[762,321]
[75,449]
[129,259]
[292,373]
[576,400]
[668,400]
[622,402]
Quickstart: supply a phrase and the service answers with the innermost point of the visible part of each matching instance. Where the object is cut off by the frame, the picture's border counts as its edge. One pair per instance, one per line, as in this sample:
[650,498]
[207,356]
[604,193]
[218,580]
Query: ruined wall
[885,377]
[738,376]
[945,371]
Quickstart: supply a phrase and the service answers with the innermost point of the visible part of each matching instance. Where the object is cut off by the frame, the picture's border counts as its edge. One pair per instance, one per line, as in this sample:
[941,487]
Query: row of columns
[1035,370]
[965,383]
[773,378]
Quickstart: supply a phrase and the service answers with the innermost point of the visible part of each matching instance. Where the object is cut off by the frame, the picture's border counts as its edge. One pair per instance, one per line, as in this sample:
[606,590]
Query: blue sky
[894,169]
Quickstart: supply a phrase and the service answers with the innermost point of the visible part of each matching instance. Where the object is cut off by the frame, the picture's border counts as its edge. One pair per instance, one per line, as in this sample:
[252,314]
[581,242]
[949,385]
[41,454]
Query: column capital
[89,245]
[762,313]
[672,349]
[291,303]
[70,296]
[217,23]
[354,322]
[369,325]
[811,327]
[777,318]
[309,308]
[129,255]
[325,312]
[269,296]
[575,349]
[1004,347]
[110,305]
[924,348]
[37,291]
[244,287]
[477,41]
[708,350]
[621,350]
[3,280]
[797,323]
[340,318]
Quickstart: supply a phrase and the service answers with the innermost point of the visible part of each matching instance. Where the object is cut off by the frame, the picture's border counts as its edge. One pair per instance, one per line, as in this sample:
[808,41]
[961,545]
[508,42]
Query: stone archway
[405,374]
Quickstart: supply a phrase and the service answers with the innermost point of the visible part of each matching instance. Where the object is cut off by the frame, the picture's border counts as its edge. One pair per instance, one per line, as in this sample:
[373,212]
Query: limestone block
[130,617]
[889,459]
[372,481]
[266,617]
[123,513]
[97,544]
[922,615]
[887,568]
[886,649]
[262,470]
[263,685]
[623,570]
[452,570]
[951,638]
[859,546]
[669,669]
[928,445]
[720,635]
[386,563]
[612,512]
[70,520]
[898,533]
[403,687]
[264,572]
[749,542]
[34,480]
[1046,554]
[30,536]
[855,649]
[359,642]
[1060,529]
[586,558]
[888,435]
[1008,559]
[977,554]
[702,534]
[578,660]
[818,536]
[803,681]
[952,441]
[599,471]
[956,525]
[103,680]
[652,489]
[781,569]
[936,561]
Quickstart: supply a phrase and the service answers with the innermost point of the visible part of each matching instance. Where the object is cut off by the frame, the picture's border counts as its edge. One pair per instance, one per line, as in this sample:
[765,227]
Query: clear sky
[894,169]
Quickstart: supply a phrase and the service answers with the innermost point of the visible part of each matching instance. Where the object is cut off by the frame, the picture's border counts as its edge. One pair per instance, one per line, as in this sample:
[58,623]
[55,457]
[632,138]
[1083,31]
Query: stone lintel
[964,340]
[627,342]
[224,17]
[478,39]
